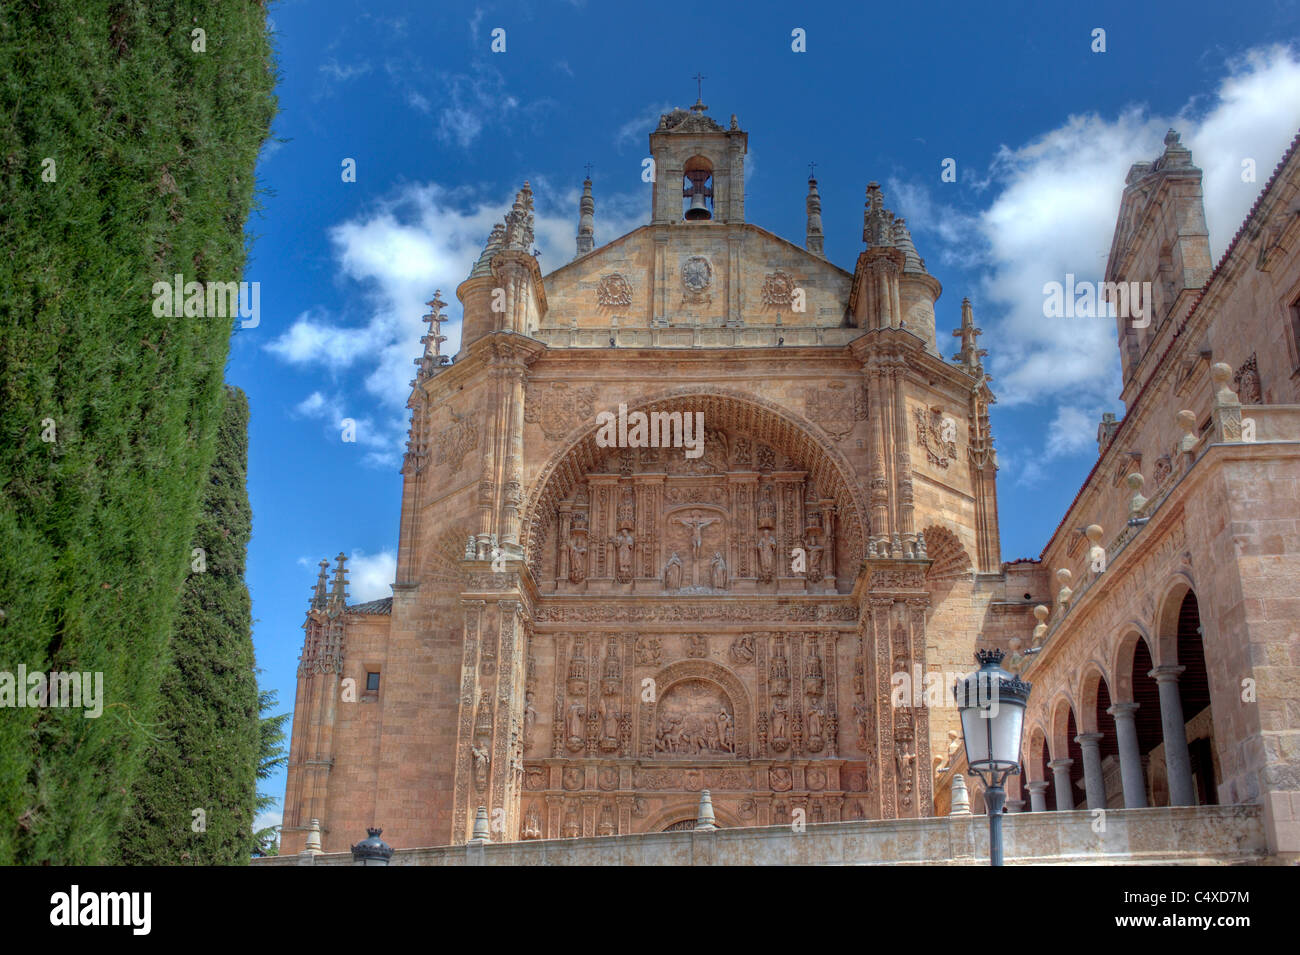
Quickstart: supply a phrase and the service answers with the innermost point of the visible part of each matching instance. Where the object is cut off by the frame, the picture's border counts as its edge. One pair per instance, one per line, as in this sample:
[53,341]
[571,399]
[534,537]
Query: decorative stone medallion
[778,289]
[614,290]
[697,277]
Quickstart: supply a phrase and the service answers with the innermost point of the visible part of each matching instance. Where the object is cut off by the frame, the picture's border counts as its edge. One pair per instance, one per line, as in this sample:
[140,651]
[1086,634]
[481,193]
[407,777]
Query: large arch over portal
[793,437]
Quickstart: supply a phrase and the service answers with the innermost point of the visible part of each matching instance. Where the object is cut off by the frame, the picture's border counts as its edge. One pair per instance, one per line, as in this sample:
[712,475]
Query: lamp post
[992,705]
[372,851]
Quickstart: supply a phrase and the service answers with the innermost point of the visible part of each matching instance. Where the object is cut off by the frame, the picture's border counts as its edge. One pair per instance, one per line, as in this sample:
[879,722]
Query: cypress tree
[195,800]
[127,152]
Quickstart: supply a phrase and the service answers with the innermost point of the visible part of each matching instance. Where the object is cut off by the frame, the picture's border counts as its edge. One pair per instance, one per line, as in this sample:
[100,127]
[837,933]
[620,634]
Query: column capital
[1089,739]
[1059,764]
[1123,710]
[1167,673]
[1037,785]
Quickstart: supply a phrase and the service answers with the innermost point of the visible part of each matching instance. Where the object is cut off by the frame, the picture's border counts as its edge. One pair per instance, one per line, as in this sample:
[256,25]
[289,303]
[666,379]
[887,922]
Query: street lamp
[372,851]
[992,705]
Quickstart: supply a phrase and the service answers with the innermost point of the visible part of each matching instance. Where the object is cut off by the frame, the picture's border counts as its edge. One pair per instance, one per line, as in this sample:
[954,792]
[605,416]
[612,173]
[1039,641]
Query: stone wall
[1223,835]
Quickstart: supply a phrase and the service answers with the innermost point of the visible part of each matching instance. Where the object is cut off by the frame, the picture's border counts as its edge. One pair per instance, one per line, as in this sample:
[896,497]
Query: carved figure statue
[623,542]
[577,558]
[718,571]
[608,719]
[530,717]
[726,736]
[574,722]
[814,722]
[480,755]
[766,555]
[673,573]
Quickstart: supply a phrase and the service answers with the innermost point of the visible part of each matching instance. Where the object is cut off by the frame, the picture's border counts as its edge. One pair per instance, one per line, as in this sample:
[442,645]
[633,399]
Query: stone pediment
[707,274]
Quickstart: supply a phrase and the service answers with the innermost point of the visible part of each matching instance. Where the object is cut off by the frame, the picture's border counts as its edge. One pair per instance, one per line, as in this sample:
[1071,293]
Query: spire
[970,354]
[496,241]
[339,590]
[586,219]
[519,222]
[432,342]
[877,221]
[815,238]
[902,237]
[318,593]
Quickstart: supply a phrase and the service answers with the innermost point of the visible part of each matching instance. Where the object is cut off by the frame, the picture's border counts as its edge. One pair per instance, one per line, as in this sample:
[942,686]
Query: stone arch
[1090,688]
[709,672]
[1165,626]
[1035,754]
[948,558]
[681,810]
[1121,665]
[724,408]
[1061,712]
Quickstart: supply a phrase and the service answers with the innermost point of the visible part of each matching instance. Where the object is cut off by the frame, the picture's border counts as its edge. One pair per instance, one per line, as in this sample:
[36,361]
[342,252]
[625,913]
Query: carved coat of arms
[836,407]
[940,447]
[697,277]
[456,441]
[557,408]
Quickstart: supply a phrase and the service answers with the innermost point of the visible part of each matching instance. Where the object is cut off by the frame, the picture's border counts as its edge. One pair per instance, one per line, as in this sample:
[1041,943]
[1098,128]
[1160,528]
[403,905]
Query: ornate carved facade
[584,636]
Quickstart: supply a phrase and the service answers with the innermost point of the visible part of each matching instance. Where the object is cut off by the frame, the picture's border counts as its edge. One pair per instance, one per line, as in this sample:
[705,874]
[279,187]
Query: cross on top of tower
[699,106]
[812,170]
[588,170]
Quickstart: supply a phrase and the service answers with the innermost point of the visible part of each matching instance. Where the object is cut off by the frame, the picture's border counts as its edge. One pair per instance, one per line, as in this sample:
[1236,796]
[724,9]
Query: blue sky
[444,131]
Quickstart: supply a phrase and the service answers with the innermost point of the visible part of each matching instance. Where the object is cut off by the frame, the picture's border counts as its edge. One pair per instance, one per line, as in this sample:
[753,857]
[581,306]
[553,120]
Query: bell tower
[699,168]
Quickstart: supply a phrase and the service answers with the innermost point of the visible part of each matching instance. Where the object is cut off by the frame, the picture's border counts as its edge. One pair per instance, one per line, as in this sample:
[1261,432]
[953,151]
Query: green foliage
[208,743]
[273,755]
[154,148]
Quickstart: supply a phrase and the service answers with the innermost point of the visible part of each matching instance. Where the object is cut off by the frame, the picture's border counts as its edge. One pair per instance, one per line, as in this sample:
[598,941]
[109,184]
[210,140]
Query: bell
[698,191]
[699,209]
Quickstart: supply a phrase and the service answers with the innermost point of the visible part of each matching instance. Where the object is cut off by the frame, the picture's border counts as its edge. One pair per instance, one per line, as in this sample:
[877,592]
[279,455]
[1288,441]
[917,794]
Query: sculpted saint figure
[718,571]
[609,719]
[814,722]
[767,555]
[814,560]
[623,541]
[574,723]
[673,573]
[530,716]
[778,719]
[724,731]
[577,558]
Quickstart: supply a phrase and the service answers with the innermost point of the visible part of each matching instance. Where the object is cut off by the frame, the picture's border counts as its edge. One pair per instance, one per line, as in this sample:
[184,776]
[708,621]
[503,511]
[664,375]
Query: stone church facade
[584,633]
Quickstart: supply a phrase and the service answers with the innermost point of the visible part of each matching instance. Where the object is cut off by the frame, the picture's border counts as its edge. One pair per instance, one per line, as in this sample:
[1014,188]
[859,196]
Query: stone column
[1130,756]
[1037,795]
[1064,788]
[1093,783]
[1178,762]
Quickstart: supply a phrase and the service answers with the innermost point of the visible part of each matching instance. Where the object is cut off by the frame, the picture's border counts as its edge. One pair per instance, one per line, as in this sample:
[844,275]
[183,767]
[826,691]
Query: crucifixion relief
[696,524]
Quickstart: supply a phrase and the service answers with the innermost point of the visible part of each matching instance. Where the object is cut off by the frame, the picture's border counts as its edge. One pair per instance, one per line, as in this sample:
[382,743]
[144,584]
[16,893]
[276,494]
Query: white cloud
[398,252]
[332,69]
[636,131]
[370,576]
[267,818]
[1055,214]
[1072,431]
[385,438]
[1052,209]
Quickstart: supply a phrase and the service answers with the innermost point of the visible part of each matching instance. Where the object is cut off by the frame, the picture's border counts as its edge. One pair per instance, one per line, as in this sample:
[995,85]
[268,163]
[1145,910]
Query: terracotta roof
[382,605]
[1218,269]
